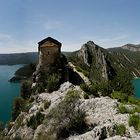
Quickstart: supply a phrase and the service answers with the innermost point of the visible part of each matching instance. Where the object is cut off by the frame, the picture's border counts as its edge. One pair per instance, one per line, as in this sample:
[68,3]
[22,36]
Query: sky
[108,23]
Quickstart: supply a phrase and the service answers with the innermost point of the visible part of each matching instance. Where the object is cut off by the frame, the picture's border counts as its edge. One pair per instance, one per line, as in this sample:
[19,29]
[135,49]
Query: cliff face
[96,59]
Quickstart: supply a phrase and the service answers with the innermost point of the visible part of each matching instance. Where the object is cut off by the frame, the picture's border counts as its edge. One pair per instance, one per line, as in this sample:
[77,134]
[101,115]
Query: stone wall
[48,53]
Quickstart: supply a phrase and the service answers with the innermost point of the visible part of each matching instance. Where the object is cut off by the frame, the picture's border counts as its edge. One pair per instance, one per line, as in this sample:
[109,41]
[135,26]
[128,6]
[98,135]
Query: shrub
[35,120]
[133,100]
[104,88]
[86,96]
[47,104]
[122,109]
[40,88]
[136,109]
[26,89]
[120,129]
[69,118]
[18,106]
[53,82]
[122,97]
[85,72]
[90,90]
[134,120]
[85,88]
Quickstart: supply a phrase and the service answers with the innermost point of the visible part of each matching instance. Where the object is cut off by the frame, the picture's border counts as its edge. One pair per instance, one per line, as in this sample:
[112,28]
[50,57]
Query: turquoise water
[136,85]
[8,91]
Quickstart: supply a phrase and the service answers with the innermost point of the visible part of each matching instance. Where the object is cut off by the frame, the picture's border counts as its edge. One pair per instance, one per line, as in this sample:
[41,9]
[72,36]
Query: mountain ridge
[18,58]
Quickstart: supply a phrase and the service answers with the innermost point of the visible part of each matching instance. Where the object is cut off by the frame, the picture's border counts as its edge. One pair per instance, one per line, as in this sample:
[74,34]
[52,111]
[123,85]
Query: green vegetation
[133,100]
[120,129]
[134,120]
[53,82]
[68,118]
[122,81]
[26,89]
[50,82]
[122,109]
[35,120]
[89,90]
[26,70]
[24,73]
[86,96]
[121,97]
[18,106]
[118,65]
[126,99]
[47,104]
[103,89]
[85,72]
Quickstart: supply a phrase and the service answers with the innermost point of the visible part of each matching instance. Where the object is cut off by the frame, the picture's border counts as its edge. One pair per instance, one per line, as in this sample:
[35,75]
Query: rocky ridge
[132,47]
[101,116]
[96,59]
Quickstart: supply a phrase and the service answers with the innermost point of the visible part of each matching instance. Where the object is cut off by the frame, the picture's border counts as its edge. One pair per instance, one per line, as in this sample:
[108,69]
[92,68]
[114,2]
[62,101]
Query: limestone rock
[96,59]
[101,117]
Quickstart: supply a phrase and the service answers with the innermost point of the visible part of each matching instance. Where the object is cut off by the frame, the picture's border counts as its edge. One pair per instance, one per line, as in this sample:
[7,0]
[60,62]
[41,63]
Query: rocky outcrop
[132,47]
[96,59]
[82,77]
[101,117]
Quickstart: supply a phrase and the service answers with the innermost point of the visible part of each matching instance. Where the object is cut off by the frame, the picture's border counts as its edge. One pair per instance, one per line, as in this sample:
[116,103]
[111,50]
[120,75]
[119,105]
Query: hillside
[66,114]
[130,54]
[117,65]
[86,96]
[18,58]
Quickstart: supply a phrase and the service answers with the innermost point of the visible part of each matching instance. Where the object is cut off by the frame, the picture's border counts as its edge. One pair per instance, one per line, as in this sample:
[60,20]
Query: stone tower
[49,50]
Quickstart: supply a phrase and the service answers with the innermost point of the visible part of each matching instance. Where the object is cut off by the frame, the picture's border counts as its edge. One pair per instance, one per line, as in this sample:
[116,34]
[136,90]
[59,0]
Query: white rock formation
[101,117]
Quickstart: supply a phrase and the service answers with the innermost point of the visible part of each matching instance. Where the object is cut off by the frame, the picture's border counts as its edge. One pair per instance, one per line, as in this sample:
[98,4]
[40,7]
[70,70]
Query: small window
[48,53]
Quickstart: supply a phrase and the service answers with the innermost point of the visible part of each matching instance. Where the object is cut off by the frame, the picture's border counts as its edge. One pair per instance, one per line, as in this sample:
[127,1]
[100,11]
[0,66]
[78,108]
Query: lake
[136,85]
[8,91]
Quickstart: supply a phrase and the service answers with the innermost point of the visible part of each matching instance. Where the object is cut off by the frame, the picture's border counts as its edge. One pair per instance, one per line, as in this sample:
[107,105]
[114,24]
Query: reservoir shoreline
[8,91]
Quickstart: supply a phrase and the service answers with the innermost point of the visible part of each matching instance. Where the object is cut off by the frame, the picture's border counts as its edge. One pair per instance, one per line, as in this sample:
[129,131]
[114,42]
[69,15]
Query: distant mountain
[18,58]
[21,58]
[129,56]
[132,47]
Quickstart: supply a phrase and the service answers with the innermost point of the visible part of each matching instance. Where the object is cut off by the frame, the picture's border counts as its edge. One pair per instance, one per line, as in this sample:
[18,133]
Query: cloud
[115,38]
[52,25]
[8,44]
